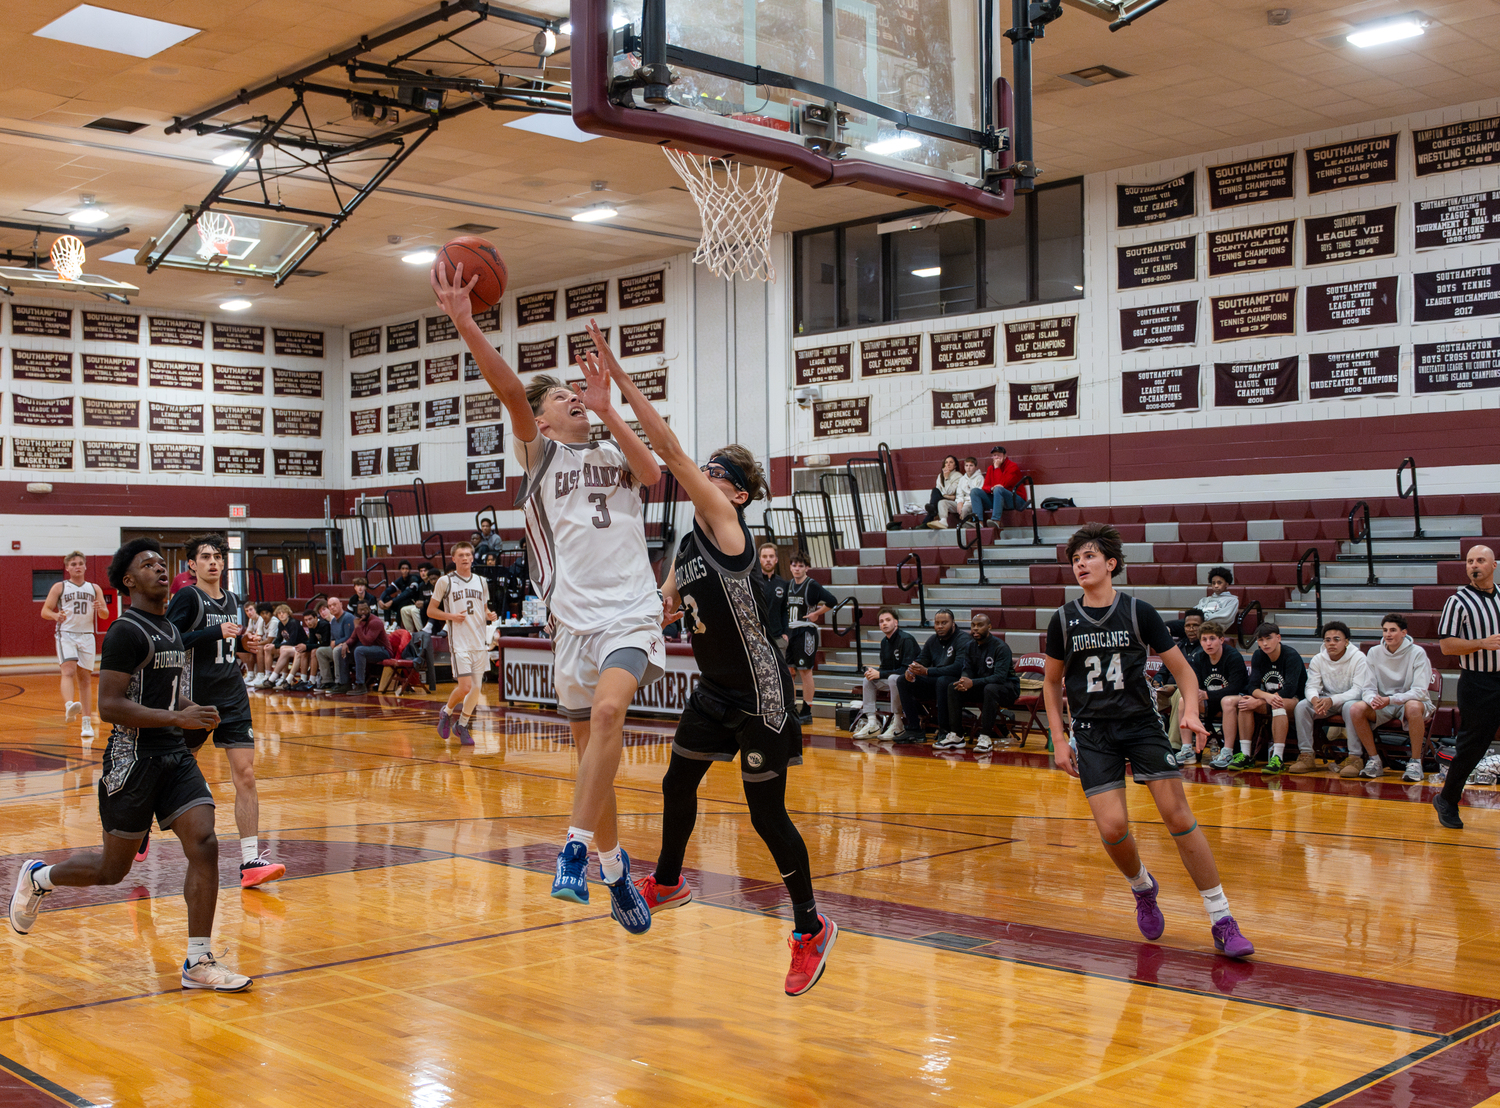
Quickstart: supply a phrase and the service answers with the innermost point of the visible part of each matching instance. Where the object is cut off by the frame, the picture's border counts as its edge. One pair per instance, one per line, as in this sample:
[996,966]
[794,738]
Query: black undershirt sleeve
[124,649]
[1055,644]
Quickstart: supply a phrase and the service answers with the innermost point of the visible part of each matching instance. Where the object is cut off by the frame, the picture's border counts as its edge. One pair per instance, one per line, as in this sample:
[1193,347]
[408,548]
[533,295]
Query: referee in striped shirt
[1470,628]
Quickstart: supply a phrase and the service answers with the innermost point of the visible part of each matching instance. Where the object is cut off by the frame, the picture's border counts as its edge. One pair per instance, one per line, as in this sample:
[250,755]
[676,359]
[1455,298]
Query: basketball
[479,256]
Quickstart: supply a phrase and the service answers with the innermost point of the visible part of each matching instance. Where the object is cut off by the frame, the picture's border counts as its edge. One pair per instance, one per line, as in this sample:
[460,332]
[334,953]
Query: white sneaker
[205,973]
[88,727]
[951,741]
[26,901]
[278,682]
[72,711]
[1221,759]
[1413,771]
[1374,768]
[870,726]
[984,744]
[262,681]
[894,728]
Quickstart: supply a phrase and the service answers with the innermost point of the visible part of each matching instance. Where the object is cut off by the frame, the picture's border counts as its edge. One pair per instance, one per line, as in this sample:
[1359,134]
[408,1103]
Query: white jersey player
[588,555]
[460,599]
[73,604]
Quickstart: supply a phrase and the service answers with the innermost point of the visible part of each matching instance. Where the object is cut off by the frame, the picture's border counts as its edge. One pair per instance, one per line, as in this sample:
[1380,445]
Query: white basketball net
[67,257]
[736,203]
[215,230]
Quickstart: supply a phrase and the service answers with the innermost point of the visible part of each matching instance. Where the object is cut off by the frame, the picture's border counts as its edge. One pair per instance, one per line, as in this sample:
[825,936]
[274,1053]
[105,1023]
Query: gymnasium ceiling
[1205,74]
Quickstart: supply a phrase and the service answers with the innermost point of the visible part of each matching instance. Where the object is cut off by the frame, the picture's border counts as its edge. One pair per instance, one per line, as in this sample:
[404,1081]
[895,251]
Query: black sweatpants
[1479,720]
[991,697]
[913,690]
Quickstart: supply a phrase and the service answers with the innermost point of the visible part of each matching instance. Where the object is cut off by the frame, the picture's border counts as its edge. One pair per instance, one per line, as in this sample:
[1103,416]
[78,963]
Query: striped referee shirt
[1471,614]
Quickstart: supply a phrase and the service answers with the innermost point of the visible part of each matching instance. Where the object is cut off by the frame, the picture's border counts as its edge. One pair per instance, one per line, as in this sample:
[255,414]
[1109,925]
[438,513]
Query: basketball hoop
[215,230]
[736,209]
[68,257]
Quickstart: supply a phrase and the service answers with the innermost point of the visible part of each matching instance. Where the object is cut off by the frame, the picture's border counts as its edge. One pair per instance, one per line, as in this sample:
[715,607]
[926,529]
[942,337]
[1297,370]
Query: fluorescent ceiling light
[232,158]
[117,32]
[1078,287]
[88,215]
[552,125]
[234,305]
[421,257]
[620,20]
[566,28]
[121,257]
[1382,33]
[931,271]
[596,213]
[894,144]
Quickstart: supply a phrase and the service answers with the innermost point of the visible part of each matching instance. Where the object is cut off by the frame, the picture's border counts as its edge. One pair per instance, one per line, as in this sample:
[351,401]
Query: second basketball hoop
[215,232]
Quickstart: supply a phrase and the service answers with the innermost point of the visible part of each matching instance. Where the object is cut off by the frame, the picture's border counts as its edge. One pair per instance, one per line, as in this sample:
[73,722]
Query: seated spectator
[971,478]
[1185,635]
[414,609]
[371,645]
[1400,677]
[254,625]
[333,658]
[1220,669]
[489,539]
[361,592]
[1185,631]
[395,587]
[271,635]
[1336,678]
[944,498]
[939,663]
[1220,605]
[316,636]
[806,601]
[897,651]
[1278,679]
[998,491]
[987,679]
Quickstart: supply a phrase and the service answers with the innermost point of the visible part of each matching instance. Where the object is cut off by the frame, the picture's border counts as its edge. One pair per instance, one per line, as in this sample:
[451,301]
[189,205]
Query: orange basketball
[479,256]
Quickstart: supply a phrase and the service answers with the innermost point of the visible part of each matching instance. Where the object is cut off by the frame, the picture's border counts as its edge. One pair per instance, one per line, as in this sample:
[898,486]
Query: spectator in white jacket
[1400,674]
[970,479]
[1220,605]
[944,492]
[1336,679]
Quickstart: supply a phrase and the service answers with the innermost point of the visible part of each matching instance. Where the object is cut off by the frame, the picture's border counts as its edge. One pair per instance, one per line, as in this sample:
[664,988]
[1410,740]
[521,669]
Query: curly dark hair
[119,565]
[198,542]
[1103,538]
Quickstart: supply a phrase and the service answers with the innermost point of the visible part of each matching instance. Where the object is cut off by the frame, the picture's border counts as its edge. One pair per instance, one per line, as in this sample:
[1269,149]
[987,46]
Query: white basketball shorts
[470,663]
[75,646]
[577,660]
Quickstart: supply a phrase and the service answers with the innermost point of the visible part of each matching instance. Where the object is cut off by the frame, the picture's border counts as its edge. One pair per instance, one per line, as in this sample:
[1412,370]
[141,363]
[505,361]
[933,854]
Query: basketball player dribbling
[73,604]
[1097,646]
[460,599]
[743,703]
[586,538]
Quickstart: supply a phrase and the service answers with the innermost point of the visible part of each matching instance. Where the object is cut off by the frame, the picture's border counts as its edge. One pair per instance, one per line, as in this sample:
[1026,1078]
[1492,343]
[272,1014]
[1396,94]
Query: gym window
[928,263]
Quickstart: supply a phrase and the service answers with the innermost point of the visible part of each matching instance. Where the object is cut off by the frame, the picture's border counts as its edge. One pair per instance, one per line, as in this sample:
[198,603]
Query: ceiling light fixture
[893,144]
[233,158]
[930,271]
[90,214]
[1391,30]
[421,257]
[234,305]
[619,20]
[595,213]
[117,32]
[566,28]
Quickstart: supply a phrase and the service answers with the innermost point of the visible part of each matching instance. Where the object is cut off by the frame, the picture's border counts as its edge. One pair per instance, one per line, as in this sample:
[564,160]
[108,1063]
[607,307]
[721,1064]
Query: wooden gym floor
[988,952]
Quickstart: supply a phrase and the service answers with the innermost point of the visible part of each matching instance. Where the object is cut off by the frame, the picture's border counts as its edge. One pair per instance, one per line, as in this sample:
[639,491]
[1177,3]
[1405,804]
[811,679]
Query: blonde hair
[538,388]
[1212,627]
[283,612]
[76,554]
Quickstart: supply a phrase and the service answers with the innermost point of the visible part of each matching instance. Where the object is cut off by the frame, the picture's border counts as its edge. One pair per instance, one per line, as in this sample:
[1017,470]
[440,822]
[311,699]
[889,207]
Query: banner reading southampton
[1251,384]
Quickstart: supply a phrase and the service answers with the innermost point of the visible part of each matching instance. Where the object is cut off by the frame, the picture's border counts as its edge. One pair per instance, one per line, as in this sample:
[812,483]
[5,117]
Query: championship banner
[526,676]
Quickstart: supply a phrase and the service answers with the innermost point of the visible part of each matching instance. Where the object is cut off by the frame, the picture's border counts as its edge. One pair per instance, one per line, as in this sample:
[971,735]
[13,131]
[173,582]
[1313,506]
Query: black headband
[736,474]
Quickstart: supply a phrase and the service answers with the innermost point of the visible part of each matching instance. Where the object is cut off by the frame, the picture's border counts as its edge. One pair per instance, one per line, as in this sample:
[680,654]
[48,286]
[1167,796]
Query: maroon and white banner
[526,677]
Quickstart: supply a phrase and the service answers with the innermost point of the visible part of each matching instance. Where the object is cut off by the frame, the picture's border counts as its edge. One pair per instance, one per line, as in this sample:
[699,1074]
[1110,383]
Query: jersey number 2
[600,501]
[1114,674]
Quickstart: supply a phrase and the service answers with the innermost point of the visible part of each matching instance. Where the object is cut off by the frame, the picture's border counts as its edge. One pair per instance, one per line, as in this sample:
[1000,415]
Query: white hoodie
[1402,676]
[1340,681]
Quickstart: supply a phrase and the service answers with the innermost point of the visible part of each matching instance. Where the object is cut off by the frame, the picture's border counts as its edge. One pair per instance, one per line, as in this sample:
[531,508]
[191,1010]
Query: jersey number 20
[1114,674]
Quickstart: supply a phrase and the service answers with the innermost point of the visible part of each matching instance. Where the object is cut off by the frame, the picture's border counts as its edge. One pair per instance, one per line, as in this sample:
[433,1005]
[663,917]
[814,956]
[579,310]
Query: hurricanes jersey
[212,674]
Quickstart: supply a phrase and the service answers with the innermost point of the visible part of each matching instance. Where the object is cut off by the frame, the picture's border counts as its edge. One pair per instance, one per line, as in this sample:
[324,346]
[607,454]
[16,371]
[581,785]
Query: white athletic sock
[1215,903]
[464,719]
[249,848]
[1245,747]
[612,864]
[43,877]
[197,948]
[578,834]
[1141,881]
[1278,749]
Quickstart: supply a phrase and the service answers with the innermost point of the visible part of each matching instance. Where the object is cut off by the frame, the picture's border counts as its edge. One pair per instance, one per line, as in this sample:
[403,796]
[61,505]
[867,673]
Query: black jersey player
[743,702]
[208,615]
[1097,648]
[147,770]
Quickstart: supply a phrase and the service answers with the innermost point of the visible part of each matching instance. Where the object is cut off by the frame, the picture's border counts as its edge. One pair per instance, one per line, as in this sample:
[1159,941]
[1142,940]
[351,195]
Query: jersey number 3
[600,501]
[1114,674]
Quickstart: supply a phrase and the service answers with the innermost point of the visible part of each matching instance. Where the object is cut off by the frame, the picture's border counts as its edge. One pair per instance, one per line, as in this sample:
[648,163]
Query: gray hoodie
[1402,676]
[1340,681]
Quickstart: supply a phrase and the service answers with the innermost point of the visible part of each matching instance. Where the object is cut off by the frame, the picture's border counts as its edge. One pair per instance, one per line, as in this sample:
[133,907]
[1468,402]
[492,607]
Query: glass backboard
[258,247]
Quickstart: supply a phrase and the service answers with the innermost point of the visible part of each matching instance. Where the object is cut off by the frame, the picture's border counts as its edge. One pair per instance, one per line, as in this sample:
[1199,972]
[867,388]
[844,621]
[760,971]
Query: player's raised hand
[453,293]
[606,355]
[596,385]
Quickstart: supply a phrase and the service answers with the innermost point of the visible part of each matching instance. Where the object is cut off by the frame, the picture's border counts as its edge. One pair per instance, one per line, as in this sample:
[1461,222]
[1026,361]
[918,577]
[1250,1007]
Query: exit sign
[239,511]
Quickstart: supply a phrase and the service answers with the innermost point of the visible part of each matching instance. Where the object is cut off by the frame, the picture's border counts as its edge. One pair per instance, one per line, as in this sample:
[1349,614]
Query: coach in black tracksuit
[929,676]
[988,679]
[1470,628]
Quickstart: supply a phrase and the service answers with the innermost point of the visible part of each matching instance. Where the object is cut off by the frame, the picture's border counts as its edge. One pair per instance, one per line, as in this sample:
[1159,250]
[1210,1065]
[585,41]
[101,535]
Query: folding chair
[1030,668]
[399,674]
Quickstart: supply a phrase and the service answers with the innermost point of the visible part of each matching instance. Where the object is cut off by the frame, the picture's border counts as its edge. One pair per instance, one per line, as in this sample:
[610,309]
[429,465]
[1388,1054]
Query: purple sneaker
[445,722]
[1148,916]
[1229,941]
[464,738]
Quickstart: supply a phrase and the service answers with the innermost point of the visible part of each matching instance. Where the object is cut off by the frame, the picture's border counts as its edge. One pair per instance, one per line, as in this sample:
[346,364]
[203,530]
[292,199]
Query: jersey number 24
[1114,674]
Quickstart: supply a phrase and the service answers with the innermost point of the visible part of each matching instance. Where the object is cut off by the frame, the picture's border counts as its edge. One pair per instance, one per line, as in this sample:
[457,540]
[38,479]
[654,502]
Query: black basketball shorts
[1104,746]
[227,736]
[136,787]
[711,730]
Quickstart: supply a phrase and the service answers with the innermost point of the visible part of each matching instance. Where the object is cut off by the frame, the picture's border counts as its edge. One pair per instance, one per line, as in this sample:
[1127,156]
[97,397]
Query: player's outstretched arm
[708,502]
[596,398]
[453,298]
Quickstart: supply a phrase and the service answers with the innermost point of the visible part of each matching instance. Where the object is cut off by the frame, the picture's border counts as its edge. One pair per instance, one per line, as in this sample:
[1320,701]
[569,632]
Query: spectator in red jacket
[1001,482]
